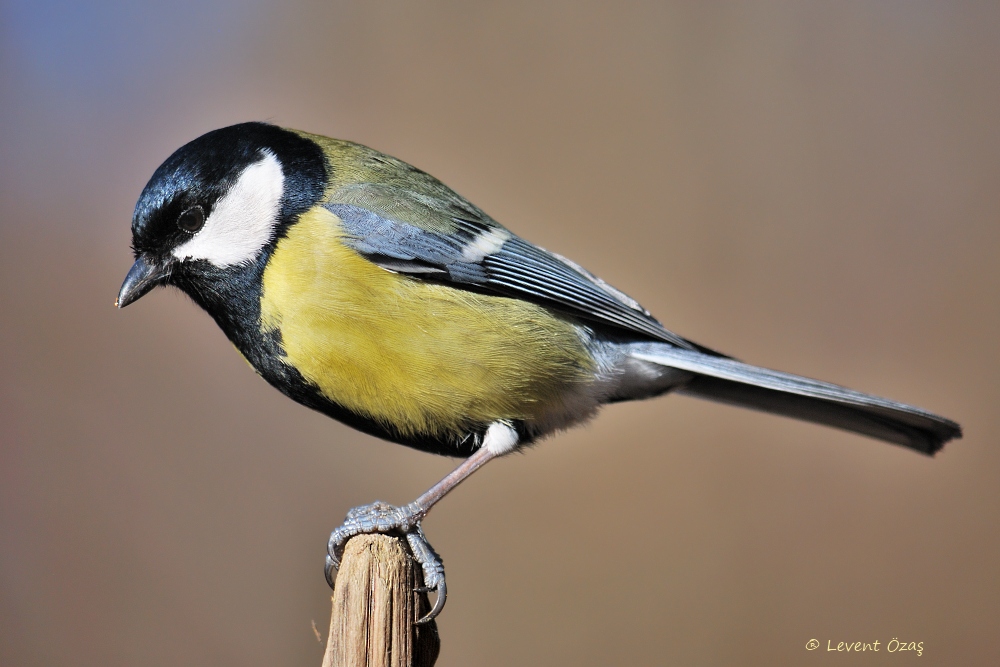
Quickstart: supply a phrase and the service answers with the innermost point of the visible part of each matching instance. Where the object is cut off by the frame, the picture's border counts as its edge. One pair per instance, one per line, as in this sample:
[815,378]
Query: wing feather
[452,241]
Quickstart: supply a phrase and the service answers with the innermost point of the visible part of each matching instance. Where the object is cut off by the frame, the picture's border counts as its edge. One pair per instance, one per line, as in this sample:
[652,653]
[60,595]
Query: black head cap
[199,173]
[184,190]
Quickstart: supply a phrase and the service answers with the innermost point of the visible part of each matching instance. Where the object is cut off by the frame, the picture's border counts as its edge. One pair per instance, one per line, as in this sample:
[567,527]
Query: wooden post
[375,605]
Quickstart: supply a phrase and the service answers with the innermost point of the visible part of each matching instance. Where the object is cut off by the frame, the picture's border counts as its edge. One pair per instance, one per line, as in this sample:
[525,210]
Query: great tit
[366,289]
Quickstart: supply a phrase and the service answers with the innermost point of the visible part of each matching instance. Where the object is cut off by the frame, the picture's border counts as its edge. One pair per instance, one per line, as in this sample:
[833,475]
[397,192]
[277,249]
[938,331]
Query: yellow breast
[424,357]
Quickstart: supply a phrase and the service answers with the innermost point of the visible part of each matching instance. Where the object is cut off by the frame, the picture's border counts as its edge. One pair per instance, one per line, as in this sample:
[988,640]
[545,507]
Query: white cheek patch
[243,219]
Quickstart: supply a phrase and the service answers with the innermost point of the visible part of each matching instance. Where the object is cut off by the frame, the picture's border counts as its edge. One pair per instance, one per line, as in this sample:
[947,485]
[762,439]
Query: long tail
[730,381]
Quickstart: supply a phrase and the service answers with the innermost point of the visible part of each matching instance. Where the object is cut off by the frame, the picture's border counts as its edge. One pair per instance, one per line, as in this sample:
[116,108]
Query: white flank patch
[486,243]
[243,219]
[500,438]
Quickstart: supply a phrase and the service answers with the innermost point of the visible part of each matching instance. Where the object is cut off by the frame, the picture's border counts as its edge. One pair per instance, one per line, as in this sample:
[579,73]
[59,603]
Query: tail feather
[730,381]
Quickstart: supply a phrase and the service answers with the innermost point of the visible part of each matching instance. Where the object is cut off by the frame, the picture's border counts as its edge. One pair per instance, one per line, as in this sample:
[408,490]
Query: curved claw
[381,517]
[332,560]
[328,569]
[442,597]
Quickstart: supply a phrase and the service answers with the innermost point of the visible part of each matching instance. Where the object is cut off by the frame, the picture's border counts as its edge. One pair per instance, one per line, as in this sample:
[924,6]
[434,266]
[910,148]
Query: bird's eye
[192,219]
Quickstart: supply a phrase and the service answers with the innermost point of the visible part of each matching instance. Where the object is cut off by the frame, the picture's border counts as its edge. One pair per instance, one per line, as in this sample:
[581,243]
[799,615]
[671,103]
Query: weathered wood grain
[374,607]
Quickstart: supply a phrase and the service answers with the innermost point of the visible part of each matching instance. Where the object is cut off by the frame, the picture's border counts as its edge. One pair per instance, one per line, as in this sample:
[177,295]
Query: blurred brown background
[810,186]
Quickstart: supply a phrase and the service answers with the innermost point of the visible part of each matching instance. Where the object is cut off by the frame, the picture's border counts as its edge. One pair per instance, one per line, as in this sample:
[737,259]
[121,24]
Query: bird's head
[215,206]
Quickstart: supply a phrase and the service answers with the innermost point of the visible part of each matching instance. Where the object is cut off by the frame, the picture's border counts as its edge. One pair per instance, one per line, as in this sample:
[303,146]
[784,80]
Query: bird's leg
[382,517]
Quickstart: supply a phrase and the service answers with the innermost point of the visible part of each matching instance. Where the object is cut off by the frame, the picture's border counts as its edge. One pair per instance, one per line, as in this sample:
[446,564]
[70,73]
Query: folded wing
[447,239]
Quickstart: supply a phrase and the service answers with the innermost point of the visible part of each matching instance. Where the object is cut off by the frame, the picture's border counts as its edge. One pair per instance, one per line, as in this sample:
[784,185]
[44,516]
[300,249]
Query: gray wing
[467,249]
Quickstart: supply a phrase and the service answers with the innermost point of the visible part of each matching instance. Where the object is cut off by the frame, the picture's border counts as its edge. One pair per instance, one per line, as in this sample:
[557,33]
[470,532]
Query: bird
[366,289]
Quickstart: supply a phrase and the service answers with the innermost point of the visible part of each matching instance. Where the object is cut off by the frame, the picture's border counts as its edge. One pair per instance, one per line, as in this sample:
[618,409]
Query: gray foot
[382,517]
